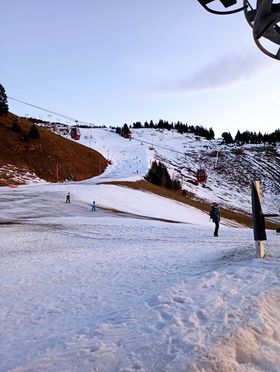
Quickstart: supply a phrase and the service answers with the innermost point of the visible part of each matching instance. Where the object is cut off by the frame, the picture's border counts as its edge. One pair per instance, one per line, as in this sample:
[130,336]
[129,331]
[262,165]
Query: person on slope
[68,198]
[215,216]
[93,207]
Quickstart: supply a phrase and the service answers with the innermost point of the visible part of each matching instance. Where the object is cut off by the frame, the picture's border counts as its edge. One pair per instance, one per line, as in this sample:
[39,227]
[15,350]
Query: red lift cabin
[201,176]
[75,133]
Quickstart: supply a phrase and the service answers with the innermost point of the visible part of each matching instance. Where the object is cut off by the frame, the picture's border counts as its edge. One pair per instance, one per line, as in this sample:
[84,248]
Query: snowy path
[115,294]
[130,160]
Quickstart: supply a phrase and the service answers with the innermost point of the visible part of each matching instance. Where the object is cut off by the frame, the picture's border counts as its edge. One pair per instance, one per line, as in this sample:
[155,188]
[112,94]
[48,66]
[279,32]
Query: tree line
[240,138]
[252,137]
[164,124]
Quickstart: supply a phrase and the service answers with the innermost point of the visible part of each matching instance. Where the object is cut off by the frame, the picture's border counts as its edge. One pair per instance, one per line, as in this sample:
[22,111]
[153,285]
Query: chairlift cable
[70,118]
[43,109]
[161,147]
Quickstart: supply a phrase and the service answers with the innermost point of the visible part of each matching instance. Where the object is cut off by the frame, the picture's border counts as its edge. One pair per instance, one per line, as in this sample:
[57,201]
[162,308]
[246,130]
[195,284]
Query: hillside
[50,157]
[230,168]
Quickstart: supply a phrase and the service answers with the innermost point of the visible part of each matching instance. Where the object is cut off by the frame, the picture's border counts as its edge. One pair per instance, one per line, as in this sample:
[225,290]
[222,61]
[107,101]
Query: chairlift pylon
[201,174]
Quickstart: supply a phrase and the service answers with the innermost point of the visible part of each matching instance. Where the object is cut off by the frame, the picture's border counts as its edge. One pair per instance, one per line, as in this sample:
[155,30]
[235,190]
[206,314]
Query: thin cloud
[223,73]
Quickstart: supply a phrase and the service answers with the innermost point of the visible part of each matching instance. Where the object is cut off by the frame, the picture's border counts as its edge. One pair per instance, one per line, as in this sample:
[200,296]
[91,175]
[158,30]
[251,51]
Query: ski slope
[230,168]
[139,285]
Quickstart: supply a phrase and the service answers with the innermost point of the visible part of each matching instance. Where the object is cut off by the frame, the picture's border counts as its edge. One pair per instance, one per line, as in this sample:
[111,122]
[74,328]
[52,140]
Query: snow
[229,173]
[139,285]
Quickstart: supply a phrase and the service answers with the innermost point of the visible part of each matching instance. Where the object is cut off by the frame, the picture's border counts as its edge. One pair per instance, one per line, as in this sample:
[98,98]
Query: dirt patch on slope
[50,157]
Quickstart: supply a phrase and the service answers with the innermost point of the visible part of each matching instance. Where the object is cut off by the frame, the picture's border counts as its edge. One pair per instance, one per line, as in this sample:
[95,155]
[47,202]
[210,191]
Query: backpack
[212,214]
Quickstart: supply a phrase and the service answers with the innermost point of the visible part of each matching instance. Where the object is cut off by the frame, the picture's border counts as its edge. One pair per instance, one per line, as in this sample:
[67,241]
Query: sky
[110,63]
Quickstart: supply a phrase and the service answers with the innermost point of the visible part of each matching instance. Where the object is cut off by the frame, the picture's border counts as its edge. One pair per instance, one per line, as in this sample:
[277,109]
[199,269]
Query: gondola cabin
[201,175]
[75,133]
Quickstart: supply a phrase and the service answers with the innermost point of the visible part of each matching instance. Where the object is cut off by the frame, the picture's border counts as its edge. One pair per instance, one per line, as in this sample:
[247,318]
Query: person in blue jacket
[215,216]
[93,207]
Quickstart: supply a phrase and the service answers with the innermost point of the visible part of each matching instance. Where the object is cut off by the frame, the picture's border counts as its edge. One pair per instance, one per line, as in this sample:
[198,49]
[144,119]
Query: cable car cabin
[75,133]
[201,175]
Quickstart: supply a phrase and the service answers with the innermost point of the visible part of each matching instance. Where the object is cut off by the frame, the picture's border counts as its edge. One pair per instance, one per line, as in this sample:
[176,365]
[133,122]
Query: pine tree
[15,127]
[158,175]
[125,132]
[211,134]
[34,132]
[227,137]
[153,174]
[4,108]
[238,137]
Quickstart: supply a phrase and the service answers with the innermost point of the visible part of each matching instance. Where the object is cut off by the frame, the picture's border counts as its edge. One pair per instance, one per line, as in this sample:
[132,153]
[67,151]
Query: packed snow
[139,285]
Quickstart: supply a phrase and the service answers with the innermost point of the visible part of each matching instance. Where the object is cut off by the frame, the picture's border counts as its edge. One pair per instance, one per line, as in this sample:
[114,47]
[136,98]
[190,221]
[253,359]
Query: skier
[93,207]
[67,198]
[215,216]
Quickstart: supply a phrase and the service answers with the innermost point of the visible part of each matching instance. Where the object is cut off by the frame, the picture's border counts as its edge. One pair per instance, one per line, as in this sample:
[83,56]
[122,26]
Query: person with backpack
[215,216]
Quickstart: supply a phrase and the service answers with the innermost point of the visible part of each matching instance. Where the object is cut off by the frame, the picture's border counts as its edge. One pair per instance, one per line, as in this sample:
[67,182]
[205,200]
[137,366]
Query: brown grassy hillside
[51,157]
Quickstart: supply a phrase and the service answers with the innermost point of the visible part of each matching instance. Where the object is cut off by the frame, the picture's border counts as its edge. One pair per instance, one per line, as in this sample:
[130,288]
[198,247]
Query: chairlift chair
[225,3]
[201,175]
[75,133]
[263,18]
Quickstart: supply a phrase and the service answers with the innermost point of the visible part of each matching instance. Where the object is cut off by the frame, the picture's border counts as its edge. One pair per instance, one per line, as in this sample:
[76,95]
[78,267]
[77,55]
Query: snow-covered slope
[102,291]
[230,168]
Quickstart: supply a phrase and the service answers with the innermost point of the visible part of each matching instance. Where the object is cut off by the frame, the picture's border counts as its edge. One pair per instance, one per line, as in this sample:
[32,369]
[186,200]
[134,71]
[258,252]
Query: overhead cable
[52,112]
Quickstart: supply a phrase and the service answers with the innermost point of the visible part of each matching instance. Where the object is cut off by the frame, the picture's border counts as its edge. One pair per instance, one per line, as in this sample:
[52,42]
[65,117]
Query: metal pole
[258,220]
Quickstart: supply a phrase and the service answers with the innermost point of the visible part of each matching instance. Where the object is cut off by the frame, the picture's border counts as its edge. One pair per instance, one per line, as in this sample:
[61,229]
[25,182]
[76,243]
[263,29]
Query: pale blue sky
[110,62]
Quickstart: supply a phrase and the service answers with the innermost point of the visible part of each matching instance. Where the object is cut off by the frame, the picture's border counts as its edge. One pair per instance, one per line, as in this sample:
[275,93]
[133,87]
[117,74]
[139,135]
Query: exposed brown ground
[51,157]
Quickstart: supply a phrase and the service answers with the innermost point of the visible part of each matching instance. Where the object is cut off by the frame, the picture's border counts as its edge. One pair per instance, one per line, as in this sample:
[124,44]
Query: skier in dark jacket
[67,198]
[215,216]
